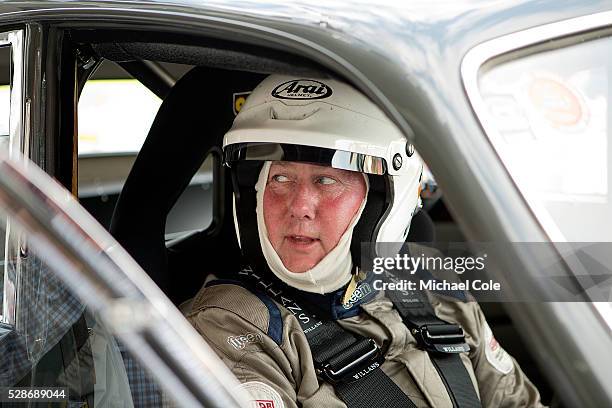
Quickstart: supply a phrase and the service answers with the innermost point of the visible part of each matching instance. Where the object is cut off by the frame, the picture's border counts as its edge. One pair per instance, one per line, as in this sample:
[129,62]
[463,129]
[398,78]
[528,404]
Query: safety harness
[351,363]
[442,340]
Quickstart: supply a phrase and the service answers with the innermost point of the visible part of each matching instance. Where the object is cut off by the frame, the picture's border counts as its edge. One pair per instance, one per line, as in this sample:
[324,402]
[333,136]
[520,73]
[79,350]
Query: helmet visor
[338,159]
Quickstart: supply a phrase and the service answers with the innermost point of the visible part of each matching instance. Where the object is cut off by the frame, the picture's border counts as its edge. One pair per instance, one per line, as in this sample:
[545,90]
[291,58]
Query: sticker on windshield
[262,395]
[302,89]
[558,103]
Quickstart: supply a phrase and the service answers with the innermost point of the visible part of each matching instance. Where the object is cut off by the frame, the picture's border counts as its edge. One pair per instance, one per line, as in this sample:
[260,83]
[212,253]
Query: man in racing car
[321,178]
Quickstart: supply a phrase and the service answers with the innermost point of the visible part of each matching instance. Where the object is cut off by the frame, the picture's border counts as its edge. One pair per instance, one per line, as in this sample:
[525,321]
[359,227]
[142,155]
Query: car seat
[189,125]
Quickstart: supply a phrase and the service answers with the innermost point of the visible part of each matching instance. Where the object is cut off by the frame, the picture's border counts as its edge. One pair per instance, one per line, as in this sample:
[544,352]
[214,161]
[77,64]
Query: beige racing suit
[237,324]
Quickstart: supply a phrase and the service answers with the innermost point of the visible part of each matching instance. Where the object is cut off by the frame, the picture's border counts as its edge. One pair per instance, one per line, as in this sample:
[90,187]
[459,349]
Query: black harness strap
[442,340]
[349,362]
[377,391]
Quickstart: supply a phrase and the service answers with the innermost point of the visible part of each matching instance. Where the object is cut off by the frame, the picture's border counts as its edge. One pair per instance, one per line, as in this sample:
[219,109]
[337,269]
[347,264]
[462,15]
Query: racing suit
[280,372]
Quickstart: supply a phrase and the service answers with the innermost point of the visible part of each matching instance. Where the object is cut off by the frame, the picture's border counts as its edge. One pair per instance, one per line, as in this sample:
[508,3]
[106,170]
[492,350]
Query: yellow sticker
[239,99]
[350,290]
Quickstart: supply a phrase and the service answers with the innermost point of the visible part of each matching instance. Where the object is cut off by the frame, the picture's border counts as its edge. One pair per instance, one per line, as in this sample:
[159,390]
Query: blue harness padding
[275,321]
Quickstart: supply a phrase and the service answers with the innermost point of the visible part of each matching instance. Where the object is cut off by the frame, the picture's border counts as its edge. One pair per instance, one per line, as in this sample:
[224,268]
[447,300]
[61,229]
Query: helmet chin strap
[331,273]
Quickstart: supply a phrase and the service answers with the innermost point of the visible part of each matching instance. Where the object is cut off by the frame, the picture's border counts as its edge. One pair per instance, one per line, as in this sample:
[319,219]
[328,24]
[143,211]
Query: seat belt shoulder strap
[442,340]
[347,361]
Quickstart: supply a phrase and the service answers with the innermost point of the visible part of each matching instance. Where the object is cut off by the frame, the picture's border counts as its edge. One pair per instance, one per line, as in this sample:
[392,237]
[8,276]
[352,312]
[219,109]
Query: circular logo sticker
[561,106]
[262,395]
[302,89]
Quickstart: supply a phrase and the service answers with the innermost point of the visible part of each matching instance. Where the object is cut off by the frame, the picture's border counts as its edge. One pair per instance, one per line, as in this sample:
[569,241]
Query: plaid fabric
[15,363]
[145,391]
[47,308]
[46,312]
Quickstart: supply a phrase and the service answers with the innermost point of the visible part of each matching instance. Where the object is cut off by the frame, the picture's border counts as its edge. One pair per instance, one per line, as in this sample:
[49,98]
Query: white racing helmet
[327,122]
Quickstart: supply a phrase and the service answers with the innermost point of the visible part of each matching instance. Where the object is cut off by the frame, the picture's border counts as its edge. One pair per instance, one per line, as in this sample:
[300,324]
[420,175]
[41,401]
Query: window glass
[552,113]
[5,89]
[115,114]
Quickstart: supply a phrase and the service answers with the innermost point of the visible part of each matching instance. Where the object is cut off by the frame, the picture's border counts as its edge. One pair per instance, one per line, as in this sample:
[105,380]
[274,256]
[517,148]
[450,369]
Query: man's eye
[326,180]
[280,178]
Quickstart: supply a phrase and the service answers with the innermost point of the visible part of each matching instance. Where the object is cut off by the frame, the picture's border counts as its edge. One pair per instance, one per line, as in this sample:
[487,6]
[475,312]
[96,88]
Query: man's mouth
[301,239]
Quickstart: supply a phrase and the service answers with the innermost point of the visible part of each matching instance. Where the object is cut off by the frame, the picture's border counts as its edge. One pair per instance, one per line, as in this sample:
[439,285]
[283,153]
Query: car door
[80,321]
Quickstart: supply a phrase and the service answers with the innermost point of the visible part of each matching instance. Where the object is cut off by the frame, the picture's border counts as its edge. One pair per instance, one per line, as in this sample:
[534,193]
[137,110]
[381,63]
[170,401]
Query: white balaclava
[331,273]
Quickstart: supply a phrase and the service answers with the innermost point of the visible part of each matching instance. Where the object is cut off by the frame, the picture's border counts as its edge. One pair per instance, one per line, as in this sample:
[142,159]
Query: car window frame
[175,357]
[14,38]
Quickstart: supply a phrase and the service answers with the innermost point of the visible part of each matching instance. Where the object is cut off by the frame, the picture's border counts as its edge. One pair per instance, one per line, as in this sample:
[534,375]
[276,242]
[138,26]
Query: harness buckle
[349,368]
[441,338]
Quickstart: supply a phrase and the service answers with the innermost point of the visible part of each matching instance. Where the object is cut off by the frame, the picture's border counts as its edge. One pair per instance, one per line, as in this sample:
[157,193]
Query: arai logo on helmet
[302,89]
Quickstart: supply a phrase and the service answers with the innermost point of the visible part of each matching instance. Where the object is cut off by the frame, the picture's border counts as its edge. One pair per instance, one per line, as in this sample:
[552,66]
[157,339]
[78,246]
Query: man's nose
[304,202]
